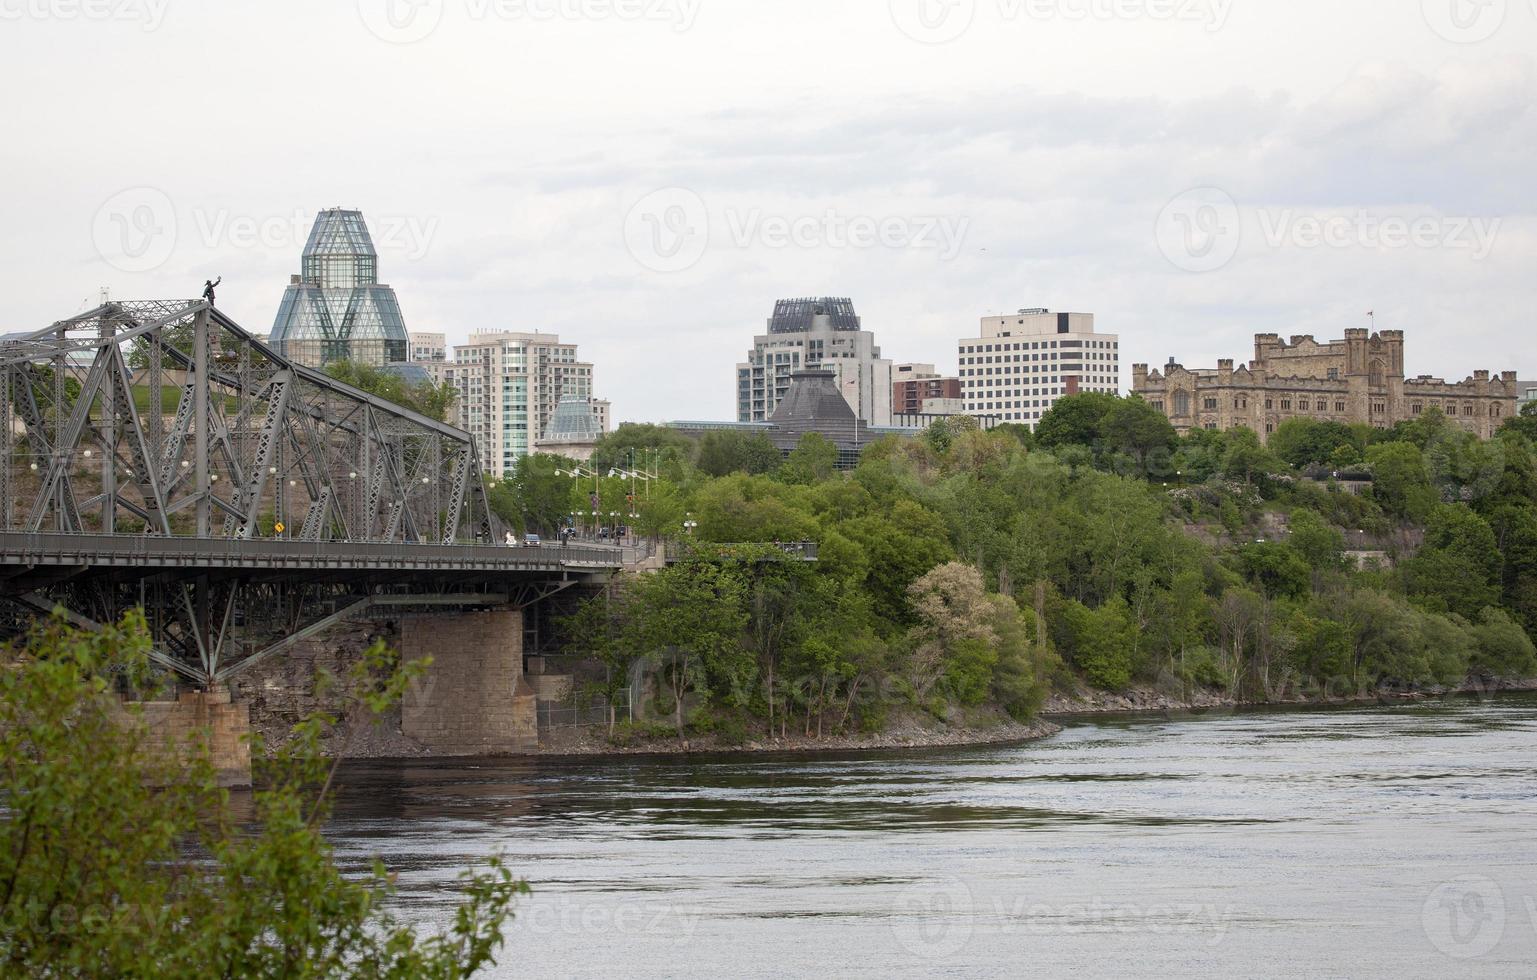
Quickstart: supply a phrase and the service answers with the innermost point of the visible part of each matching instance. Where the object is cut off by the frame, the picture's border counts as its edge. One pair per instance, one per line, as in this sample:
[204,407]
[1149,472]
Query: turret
[1138,377]
[1265,344]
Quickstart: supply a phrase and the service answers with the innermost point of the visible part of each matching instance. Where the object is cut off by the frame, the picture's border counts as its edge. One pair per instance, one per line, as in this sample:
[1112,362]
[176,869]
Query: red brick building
[918,384]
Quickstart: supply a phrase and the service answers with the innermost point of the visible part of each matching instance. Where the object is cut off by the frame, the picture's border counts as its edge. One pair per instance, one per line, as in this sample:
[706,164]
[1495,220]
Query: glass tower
[336,309]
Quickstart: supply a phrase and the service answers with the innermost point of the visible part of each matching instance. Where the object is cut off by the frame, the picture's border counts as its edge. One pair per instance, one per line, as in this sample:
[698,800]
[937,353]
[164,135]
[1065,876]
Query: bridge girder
[154,454]
[254,441]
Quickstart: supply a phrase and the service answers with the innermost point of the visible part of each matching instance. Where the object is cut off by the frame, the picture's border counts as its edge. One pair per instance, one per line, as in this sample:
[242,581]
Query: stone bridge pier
[473,699]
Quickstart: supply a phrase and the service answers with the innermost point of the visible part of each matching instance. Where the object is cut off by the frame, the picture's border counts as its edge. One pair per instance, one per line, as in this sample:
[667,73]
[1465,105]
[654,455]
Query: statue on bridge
[209,285]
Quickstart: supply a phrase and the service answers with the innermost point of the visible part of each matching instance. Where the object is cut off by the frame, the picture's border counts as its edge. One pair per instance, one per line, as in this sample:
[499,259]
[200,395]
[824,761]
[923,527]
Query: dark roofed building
[813,403]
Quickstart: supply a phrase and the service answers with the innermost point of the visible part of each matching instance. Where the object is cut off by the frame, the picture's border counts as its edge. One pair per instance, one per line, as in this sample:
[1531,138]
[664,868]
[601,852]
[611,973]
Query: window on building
[1210,404]
[1416,408]
[1339,408]
[1269,403]
[1286,404]
[1181,403]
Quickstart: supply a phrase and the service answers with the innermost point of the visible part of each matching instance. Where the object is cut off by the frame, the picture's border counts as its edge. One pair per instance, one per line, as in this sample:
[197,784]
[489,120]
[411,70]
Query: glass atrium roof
[336,309]
[573,421]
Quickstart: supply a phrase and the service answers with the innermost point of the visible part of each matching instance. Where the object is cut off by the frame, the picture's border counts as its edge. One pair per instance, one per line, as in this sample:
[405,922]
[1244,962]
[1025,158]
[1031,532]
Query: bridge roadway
[229,555]
[29,561]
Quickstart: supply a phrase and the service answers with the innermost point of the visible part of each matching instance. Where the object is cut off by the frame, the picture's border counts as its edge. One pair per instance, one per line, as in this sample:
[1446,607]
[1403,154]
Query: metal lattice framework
[155,455]
[167,418]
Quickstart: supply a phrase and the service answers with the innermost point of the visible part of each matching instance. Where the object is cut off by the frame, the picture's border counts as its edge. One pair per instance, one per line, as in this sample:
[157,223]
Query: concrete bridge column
[474,699]
[207,715]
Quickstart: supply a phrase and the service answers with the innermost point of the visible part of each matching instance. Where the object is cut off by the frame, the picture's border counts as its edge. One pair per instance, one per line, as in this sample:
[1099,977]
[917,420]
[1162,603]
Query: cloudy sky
[645,177]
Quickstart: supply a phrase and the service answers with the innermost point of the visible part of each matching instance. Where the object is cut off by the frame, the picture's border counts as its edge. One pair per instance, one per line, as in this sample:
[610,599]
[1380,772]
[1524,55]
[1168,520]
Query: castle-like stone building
[1358,379]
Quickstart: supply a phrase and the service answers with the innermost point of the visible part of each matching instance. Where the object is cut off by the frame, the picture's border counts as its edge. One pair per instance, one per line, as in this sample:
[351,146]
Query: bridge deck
[101,551]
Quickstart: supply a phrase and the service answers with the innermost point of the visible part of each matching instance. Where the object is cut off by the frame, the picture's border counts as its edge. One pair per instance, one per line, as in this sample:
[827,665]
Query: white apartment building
[427,348]
[509,386]
[1023,363]
[823,333]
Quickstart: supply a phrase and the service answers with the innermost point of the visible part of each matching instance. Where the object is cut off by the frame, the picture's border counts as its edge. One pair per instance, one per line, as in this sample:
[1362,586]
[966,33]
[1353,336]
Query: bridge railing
[791,550]
[58,548]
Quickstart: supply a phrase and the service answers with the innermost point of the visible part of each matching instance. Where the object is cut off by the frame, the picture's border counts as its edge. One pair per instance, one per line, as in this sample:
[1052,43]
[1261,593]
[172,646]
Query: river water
[1362,842]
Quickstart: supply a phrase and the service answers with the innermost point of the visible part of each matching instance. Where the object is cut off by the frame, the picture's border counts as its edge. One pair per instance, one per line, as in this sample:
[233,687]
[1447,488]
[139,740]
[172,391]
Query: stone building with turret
[1356,380]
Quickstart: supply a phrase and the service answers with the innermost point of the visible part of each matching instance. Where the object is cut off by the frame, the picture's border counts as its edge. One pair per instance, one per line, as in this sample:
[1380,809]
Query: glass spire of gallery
[336,309]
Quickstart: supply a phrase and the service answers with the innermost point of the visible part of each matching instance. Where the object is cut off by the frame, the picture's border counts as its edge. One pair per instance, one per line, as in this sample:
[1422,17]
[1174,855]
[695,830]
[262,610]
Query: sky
[646,177]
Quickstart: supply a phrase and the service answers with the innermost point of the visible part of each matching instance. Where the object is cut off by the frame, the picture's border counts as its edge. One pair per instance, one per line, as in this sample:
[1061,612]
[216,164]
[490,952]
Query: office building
[824,334]
[1024,362]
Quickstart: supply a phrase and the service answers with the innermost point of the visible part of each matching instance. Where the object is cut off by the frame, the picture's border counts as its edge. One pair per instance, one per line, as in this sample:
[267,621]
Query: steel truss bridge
[155,454]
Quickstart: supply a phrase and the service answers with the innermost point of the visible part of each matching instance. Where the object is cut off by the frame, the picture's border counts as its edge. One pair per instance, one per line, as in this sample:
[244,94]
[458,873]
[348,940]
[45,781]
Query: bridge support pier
[208,715]
[474,699]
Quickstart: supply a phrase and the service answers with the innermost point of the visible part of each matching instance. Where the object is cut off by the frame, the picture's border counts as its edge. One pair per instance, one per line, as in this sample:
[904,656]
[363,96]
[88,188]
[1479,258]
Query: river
[1361,842]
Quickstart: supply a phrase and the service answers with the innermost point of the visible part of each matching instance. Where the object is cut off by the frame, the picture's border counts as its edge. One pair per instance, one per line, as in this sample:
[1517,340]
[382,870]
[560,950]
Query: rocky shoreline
[1145,700]
[594,742]
[912,731]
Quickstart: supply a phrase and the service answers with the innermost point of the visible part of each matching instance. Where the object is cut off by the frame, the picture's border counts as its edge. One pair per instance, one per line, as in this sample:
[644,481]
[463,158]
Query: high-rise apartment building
[815,333]
[336,309]
[510,385]
[1023,363]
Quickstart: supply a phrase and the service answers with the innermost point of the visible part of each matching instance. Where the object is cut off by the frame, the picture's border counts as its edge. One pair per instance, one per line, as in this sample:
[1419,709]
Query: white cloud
[1056,144]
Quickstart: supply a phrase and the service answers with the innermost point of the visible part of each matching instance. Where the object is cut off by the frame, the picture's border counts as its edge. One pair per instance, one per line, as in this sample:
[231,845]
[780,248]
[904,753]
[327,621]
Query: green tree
[1524,423]
[1133,426]
[1320,544]
[1077,420]
[424,397]
[1457,570]
[537,497]
[1245,458]
[1099,642]
[633,445]
[1310,442]
[1502,648]
[1277,569]
[728,451]
[813,460]
[691,617]
[117,859]
[1400,480]
[595,630]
